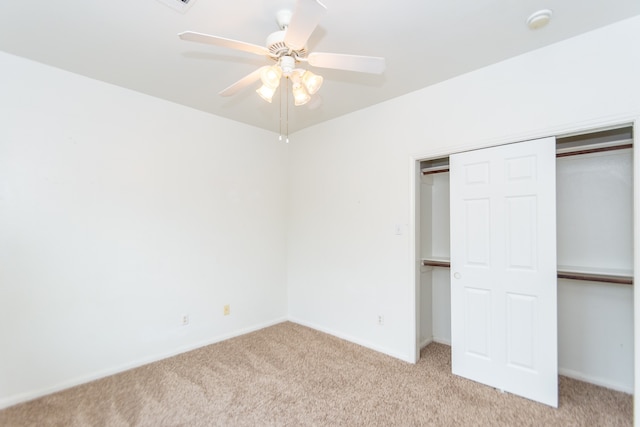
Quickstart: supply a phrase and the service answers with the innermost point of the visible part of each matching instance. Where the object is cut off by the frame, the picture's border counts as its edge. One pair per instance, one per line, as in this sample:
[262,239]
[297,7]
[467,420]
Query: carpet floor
[290,375]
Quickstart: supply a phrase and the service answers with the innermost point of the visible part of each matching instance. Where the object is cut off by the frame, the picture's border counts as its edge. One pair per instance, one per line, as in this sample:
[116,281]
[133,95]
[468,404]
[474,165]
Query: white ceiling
[134,44]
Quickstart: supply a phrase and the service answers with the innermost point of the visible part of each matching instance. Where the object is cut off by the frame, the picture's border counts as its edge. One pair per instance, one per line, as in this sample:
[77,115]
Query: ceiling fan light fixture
[288,47]
[266,92]
[300,94]
[312,82]
[270,76]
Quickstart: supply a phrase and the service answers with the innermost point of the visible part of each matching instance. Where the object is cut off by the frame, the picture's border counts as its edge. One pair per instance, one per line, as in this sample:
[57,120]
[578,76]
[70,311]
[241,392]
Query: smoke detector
[539,19]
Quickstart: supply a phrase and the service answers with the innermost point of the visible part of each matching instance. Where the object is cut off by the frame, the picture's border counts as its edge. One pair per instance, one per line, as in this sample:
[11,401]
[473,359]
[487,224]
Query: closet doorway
[594,245]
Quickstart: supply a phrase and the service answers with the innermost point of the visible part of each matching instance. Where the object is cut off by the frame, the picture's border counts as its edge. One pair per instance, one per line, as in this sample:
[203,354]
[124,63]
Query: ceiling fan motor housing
[277,48]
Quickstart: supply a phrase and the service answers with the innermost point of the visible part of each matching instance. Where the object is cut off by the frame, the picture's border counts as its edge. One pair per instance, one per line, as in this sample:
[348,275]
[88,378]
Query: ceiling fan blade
[304,20]
[363,64]
[243,82]
[221,41]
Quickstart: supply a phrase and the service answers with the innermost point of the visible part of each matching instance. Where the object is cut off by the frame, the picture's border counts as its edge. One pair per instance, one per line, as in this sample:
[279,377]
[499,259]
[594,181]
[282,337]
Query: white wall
[346,264]
[119,213]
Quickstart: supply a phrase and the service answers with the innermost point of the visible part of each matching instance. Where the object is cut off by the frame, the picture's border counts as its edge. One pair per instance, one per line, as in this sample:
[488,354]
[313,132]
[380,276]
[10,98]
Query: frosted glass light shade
[300,94]
[271,76]
[266,92]
[312,82]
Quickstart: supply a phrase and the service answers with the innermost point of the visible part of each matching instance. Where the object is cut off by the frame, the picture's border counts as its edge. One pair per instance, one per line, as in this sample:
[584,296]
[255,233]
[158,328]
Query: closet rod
[594,150]
[431,171]
[605,278]
[591,277]
[576,152]
[433,263]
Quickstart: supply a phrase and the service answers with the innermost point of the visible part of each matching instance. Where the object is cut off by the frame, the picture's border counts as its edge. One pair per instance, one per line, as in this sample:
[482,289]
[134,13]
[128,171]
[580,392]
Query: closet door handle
[456,275]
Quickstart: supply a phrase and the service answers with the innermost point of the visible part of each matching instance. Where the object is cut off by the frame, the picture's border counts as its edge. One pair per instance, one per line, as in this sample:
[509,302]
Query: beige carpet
[294,376]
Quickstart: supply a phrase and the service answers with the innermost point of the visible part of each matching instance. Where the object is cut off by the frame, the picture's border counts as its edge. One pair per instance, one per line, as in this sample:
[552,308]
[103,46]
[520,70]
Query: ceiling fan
[288,48]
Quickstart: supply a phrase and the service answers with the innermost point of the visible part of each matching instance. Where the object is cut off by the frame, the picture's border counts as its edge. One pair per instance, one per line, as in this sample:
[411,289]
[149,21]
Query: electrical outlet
[185,319]
[226,310]
[380,319]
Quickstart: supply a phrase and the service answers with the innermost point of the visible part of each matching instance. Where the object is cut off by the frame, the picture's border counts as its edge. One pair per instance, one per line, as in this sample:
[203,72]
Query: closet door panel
[477,216]
[477,322]
[521,229]
[521,326]
[503,267]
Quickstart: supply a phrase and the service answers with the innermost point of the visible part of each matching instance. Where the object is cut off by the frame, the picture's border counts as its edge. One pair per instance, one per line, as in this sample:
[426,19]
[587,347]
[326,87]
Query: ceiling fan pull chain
[280,138]
[287,96]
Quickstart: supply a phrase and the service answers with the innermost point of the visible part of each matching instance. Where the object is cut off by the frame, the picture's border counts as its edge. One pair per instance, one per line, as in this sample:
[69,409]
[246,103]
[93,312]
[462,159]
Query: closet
[594,255]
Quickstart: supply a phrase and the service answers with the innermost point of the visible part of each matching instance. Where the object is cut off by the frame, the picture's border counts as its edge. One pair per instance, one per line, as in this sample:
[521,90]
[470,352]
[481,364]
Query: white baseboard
[425,343]
[595,380]
[561,371]
[442,341]
[354,340]
[34,394]
[428,341]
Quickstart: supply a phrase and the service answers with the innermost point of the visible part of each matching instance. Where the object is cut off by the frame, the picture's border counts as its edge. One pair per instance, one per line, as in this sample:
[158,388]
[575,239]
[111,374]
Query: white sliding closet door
[503,268]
